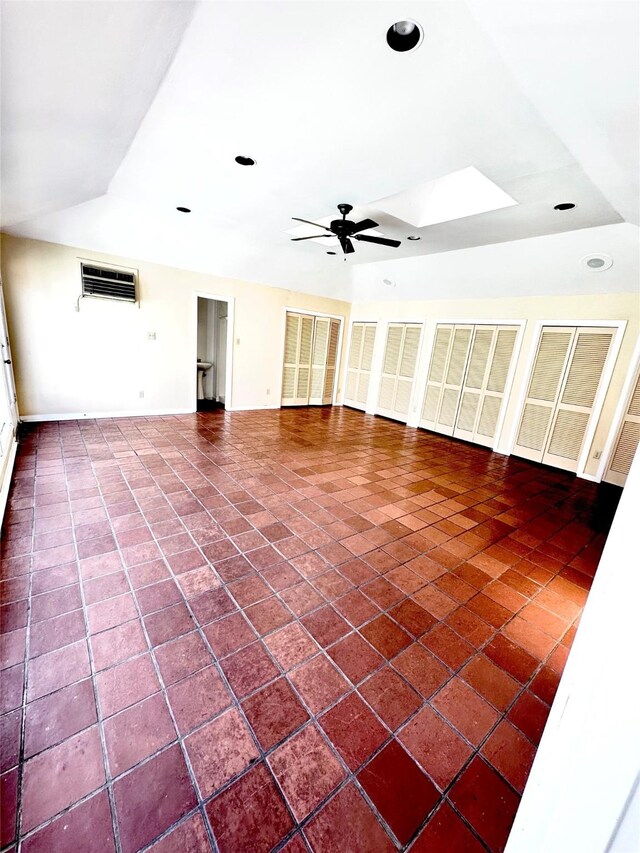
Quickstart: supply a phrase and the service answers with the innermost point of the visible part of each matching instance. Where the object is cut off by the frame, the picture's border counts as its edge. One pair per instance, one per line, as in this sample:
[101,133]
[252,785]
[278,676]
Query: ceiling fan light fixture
[404,36]
[245,161]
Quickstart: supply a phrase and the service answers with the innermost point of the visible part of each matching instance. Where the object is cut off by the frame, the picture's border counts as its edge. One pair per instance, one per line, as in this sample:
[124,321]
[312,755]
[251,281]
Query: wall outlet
[151,336]
[141,394]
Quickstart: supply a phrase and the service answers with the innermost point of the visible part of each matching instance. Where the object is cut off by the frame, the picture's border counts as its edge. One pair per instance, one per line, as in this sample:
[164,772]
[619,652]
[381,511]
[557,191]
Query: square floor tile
[413,618]
[229,634]
[307,771]
[325,626]
[220,750]
[249,669]
[268,615]
[490,681]
[399,789]
[250,816]
[355,657]
[356,607]
[198,698]
[138,732]
[347,823]
[387,637]
[391,697]
[466,710]
[55,670]
[59,715]
[126,684]
[168,624]
[88,827]
[274,713]
[190,836]
[509,751]
[354,730]
[486,801]
[291,645]
[439,750]
[181,657]
[76,765]
[446,831]
[151,798]
[421,669]
[319,683]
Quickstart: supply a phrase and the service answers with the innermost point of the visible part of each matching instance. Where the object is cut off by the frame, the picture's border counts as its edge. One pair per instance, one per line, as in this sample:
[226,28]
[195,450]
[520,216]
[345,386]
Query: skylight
[454,196]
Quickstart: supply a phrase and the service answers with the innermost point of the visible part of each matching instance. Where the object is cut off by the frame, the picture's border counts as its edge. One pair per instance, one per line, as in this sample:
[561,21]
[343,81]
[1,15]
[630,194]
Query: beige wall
[572,309]
[98,359]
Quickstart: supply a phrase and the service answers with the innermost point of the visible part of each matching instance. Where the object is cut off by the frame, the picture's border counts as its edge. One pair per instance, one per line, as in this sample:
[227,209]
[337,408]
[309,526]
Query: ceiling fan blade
[362,226]
[313,237]
[297,219]
[347,245]
[383,241]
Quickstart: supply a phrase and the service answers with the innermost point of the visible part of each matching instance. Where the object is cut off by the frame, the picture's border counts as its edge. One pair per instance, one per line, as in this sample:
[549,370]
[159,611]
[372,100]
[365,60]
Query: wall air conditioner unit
[109,282]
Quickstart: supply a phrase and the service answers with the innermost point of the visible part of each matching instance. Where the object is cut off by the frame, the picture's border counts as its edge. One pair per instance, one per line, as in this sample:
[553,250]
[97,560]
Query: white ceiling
[101,142]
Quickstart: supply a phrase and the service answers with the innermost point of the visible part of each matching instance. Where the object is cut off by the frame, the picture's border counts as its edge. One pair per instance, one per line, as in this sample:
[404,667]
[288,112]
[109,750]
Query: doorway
[212,373]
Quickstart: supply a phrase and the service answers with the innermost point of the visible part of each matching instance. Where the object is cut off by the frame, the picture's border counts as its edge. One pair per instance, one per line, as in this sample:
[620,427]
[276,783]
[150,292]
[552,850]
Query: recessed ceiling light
[245,161]
[404,36]
[184,209]
[566,205]
[597,263]
[413,237]
[330,253]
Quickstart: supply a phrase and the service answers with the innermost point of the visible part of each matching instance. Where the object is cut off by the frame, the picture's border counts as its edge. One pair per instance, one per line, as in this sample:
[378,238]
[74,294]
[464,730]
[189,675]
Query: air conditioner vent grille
[108,283]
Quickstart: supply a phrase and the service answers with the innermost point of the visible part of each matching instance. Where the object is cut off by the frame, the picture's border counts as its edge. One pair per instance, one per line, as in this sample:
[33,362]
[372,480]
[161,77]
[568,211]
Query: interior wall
[580,309]
[97,360]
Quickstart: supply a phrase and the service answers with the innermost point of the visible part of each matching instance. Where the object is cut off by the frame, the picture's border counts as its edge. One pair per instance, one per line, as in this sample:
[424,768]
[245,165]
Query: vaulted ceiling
[114,113]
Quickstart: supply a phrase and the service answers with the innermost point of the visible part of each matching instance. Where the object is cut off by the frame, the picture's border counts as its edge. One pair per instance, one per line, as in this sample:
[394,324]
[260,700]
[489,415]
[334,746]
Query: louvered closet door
[566,376]
[296,373]
[398,370]
[319,360]
[363,337]
[484,383]
[446,374]
[331,362]
[626,442]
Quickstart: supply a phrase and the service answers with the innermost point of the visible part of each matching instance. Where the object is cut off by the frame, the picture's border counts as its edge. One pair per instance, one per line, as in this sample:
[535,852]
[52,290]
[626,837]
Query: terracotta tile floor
[306,629]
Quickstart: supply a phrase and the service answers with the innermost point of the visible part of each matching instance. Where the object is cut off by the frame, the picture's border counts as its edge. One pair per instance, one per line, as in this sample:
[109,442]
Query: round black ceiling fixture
[413,237]
[184,209]
[404,35]
[566,205]
[245,161]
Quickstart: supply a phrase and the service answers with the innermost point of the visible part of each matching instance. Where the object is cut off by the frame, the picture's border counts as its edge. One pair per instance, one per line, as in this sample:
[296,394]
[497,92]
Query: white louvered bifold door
[484,383]
[353,365]
[331,362]
[435,379]
[566,376]
[398,370]
[553,352]
[626,442]
[296,374]
[577,395]
[319,360]
[363,336]
[446,374]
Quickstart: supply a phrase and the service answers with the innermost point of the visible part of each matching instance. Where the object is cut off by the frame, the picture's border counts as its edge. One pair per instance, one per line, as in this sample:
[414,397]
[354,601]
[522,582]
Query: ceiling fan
[344,229]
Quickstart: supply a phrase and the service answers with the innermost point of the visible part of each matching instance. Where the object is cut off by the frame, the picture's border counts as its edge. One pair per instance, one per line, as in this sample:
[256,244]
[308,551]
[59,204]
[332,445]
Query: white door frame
[603,387]
[620,412]
[8,390]
[230,302]
[292,310]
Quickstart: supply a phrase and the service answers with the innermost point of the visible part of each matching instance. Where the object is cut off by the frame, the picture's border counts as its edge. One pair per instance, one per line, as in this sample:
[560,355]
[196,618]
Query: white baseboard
[250,408]
[86,416]
[7,471]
